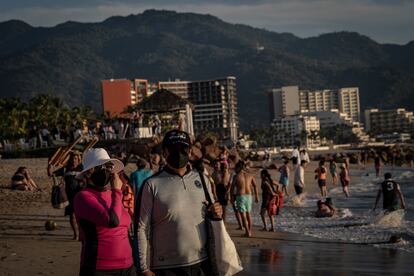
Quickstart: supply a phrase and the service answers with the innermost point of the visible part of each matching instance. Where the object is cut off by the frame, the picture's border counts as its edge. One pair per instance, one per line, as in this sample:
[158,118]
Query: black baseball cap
[176,138]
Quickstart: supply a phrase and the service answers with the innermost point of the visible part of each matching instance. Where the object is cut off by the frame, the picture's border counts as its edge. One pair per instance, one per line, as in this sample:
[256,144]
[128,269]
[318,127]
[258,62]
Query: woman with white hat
[102,219]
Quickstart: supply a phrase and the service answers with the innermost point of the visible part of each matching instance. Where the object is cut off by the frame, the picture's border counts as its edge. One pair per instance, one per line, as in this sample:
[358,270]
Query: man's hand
[147,273]
[216,210]
[116,182]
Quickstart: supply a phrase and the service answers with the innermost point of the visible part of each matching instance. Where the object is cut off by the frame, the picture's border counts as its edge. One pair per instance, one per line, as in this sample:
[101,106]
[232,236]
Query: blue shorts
[284,181]
[244,203]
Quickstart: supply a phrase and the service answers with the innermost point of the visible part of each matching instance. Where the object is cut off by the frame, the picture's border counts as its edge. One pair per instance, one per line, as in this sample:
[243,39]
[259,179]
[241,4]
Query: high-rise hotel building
[215,104]
[289,100]
[388,121]
[117,94]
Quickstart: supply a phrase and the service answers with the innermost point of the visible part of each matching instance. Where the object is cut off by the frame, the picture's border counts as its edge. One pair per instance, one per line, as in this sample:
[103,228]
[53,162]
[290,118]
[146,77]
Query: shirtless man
[244,182]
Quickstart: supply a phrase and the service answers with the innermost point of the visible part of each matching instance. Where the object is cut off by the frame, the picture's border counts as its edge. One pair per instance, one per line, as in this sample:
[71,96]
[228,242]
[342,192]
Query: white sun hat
[96,157]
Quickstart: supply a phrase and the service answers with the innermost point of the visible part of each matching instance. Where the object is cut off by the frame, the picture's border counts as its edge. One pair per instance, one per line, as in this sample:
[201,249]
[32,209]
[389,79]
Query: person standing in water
[344,175]
[332,170]
[377,164]
[391,192]
[284,177]
[299,179]
[320,175]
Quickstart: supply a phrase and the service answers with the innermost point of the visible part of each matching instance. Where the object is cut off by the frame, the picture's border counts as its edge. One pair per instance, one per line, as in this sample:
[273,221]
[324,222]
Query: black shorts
[221,194]
[391,208]
[298,190]
[322,182]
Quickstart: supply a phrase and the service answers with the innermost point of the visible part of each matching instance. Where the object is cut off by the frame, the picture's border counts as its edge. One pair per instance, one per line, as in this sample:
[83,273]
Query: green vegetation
[18,116]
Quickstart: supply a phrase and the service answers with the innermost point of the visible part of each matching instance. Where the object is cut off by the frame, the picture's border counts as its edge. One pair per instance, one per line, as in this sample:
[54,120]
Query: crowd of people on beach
[124,220]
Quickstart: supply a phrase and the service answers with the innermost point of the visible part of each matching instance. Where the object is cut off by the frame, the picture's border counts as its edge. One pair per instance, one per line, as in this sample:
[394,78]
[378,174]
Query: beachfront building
[389,121]
[215,104]
[118,94]
[289,100]
[296,129]
[393,137]
[332,118]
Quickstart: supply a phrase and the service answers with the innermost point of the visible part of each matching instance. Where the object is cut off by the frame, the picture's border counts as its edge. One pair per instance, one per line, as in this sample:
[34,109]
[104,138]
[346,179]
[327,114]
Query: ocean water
[355,222]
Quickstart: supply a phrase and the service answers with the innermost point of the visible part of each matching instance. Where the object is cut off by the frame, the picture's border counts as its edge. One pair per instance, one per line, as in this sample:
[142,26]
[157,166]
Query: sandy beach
[26,248]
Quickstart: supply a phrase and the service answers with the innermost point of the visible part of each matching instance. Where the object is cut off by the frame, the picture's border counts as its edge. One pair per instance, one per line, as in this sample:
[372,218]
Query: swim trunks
[284,181]
[298,190]
[321,182]
[244,203]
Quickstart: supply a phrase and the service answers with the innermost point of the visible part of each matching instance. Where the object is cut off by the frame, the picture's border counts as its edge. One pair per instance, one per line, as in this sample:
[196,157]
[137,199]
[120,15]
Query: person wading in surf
[390,190]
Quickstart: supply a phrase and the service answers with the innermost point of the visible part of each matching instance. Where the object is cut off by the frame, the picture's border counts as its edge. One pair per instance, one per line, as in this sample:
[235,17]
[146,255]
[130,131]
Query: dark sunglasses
[107,166]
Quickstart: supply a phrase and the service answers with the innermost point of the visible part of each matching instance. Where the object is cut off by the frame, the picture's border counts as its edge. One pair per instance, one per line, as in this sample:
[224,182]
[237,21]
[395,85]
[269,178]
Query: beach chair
[23,144]
[7,145]
[43,143]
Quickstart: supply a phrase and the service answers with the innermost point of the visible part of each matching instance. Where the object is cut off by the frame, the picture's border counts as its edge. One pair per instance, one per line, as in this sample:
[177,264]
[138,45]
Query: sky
[386,21]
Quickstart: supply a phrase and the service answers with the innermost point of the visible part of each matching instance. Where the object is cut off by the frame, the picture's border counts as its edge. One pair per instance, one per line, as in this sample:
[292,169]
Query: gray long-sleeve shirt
[171,226]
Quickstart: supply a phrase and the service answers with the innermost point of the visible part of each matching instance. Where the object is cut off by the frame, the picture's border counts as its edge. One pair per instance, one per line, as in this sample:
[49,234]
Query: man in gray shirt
[171,227]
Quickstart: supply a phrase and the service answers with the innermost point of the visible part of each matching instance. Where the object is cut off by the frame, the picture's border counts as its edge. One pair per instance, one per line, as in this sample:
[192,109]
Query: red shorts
[344,182]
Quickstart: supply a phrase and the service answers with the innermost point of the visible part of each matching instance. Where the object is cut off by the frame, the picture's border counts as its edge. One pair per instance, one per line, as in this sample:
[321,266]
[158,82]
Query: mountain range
[69,60]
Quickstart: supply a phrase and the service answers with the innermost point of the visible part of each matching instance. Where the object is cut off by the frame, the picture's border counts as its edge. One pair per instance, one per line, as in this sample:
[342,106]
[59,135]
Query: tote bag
[222,252]
[59,199]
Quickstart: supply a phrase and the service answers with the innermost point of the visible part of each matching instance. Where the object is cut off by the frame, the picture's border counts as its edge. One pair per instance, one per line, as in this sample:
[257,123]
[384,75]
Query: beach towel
[222,252]
[275,204]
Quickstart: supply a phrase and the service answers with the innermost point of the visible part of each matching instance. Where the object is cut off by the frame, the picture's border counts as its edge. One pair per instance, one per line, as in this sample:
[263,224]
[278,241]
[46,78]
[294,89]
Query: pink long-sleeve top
[103,227]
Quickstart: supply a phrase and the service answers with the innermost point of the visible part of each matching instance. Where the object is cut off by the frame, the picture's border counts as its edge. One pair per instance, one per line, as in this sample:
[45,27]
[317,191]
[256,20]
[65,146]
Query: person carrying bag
[221,249]
[59,198]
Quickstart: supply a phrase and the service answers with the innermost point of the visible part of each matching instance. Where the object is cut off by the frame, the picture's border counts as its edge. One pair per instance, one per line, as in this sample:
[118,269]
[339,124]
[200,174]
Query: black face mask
[100,178]
[177,159]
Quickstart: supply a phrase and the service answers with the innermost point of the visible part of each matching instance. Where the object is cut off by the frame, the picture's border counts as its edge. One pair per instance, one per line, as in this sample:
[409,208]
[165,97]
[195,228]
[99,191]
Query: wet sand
[292,254]
[26,248]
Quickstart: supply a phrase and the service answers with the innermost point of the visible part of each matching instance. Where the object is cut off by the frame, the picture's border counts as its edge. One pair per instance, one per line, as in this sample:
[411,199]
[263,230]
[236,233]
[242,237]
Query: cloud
[385,21]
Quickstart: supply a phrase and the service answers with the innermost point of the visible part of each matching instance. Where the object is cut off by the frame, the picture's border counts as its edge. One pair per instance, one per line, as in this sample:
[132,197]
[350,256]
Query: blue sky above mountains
[386,21]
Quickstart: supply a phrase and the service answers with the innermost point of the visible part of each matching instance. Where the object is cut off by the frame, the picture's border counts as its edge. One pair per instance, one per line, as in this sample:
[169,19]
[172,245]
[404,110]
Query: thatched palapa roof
[162,101]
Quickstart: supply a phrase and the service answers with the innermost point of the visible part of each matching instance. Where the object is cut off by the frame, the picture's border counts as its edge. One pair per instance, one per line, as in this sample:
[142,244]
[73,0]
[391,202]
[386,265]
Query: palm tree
[15,118]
